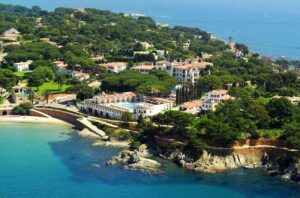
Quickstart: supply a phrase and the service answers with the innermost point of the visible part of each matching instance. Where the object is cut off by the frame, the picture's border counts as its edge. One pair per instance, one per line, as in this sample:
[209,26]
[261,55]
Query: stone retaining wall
[5,112]
[64,116]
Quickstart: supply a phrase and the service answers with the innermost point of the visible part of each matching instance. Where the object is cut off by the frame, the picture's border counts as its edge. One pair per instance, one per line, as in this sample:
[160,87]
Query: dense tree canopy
[158,83]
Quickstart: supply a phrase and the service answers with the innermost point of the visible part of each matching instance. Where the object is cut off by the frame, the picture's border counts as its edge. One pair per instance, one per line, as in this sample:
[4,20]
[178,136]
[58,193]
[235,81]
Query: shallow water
[269,27]
[52,161]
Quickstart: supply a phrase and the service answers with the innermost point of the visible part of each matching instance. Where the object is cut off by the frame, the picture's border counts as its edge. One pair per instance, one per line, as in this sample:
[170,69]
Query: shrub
[135,144]
[22,109]
[124,135]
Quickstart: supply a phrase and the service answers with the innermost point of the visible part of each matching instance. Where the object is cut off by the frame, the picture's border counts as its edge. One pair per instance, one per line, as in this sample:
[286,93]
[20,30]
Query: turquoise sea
[269,27]
[52,161]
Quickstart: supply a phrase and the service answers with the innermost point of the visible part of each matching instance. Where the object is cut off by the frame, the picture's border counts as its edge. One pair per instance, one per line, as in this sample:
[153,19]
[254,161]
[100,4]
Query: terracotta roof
[143,67]
[60,64]
[112,64]
[80,74]
[162,62]
[115,96]
[219,91]
[192,104]
[157,99]
[193,66]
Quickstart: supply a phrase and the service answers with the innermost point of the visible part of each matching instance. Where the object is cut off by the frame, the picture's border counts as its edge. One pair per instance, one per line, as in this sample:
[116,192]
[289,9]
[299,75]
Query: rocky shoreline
[137,160]
[282,165]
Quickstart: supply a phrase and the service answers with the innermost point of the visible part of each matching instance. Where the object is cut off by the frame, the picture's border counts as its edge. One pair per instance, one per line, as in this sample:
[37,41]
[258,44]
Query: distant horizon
[269,28]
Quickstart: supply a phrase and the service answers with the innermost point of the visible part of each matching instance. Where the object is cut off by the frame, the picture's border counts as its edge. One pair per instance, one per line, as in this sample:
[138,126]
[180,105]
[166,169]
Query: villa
[144,69]
[115,105]
[161,54]
[295,100]
[146,45]
[20,94]
[213,98]
[165,65]
[62,68]
[22,66]
[192,107]
[208,105]
[114,67]
[81,76]
[189,73]
[11,35]
[217,95]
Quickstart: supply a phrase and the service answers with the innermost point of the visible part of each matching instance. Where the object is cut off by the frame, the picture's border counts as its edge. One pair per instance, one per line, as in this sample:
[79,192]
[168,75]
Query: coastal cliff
[285,165]
[276,161]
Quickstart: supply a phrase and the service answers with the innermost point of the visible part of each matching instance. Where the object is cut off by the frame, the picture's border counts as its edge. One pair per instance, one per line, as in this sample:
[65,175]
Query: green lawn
[20,74]
[50,86]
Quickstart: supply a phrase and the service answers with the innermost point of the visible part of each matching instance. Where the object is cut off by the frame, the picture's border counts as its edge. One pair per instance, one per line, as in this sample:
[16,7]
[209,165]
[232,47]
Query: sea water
[53,161]
[269,27]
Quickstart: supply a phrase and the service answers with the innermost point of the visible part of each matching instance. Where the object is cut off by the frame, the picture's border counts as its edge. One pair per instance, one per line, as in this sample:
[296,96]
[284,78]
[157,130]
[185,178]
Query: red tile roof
[193,66]
[192,104]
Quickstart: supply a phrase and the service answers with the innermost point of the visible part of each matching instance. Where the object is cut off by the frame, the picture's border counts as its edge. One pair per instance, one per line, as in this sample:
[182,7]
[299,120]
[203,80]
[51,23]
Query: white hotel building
[189,73]
[22,66]
[114,105]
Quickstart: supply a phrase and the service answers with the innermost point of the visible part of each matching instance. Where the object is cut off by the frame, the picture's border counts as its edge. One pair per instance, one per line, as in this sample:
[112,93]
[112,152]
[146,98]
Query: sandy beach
[32,119]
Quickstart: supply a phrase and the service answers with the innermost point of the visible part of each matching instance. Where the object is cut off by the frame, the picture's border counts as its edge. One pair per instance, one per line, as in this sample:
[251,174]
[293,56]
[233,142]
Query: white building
[147,110]
[22,66]
[81,76]
[164,65]
[114,67]
[11,35]
[161,54]
[146,45]
[192,107]
[189,73]
[62,68]
[208,105]
[213,98]
[116,98]
[217,95]
[114,105]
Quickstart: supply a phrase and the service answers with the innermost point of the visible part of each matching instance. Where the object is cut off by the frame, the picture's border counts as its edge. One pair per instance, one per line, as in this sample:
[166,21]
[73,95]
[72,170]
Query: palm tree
[31,95]
[47,95]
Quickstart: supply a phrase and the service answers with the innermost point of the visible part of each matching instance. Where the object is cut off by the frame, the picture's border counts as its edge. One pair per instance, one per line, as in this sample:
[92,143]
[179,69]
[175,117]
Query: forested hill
[104,32]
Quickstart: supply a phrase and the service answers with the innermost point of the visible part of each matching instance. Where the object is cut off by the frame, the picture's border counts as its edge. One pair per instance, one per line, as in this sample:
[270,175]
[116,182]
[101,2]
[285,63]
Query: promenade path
[253,147]
[92,127]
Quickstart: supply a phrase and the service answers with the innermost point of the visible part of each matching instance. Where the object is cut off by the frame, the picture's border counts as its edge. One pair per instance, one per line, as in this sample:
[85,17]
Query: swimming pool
[129,106]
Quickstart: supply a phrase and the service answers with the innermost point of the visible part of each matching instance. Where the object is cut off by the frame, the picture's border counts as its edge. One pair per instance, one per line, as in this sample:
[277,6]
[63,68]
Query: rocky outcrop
[137,161]
[285,165]
[210,163]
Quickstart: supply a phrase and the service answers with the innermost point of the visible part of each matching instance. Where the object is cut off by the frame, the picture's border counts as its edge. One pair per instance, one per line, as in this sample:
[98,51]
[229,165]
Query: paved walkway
[253,147]
[92,127]
[39,112]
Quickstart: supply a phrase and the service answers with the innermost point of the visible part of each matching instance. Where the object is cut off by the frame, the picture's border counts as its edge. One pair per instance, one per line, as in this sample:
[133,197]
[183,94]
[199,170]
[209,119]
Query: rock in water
[135,160]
